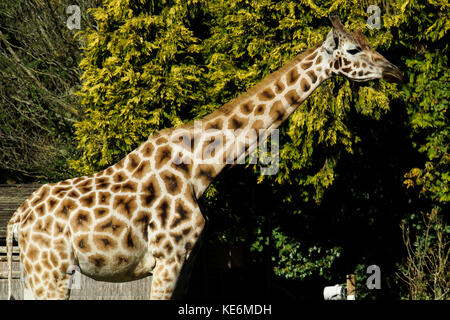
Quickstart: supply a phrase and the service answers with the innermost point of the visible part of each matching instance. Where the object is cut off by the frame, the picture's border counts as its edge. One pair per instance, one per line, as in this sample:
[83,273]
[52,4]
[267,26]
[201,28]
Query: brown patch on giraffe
[129,186]
[81,221]
[85,186]
[168,247]
[32,253]
[360,73]
[120,260]
[129,240]
[312,75]
[292,98]
[364,65]
[346,70]
[58,229]
[147,149]
[54,260]
[260,109]
[85,182]
[141,221]
[199,222]
[172,182]
[163,155]
[266,95]
[41,196]
[304,85]
[247,108]
[157,240]
[356,64]
[43,225]
[277,111]
[40,240]
[311,57]
[113,226]
[97,260]
[29,218]
[40,210]
[292,77]
[257,125]
[104,242]
[205,173]
[64,267]
[120,164]
[162,212]
[125,205]
[210,146]
[346,62]
[133,162]
[237,122]
[279,86]
[120,177]
[183,213]
[184,168]
[38,268]
[100,212]
[161,141]
[109,171]
[73,194]
[319,60]
[88,201]
[29,267]
[60,192]
[336,64]
[39,293]
[328,72]
[150,191]
[104,198]
[176,236]
[218,123]
[102,183]
[306,65]
[157,254]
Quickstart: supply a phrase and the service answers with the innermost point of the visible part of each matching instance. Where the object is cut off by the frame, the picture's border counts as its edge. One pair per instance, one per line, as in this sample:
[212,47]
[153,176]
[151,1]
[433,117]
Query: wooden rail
[11,197]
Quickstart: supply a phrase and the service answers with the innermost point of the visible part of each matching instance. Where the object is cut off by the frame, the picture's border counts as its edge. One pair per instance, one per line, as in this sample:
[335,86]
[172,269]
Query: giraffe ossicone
[140,216]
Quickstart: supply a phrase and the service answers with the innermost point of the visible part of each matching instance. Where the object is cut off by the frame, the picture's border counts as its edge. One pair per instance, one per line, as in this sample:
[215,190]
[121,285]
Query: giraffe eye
[354,51]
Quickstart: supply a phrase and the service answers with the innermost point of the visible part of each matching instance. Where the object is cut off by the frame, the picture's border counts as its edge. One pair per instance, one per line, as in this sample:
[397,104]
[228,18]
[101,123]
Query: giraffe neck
[254,115]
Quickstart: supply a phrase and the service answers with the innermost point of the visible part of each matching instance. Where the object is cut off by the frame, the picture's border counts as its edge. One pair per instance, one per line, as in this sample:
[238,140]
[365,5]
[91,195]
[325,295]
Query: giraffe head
[351,56]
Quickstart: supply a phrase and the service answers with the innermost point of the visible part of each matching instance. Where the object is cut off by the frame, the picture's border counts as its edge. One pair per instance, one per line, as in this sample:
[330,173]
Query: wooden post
[351,287]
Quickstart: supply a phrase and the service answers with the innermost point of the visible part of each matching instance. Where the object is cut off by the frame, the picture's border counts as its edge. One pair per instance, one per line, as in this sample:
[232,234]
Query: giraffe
[140,216]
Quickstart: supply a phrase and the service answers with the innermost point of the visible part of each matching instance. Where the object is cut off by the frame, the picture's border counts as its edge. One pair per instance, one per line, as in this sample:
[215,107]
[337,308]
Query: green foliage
[296,261]
[155,64]
[141,74]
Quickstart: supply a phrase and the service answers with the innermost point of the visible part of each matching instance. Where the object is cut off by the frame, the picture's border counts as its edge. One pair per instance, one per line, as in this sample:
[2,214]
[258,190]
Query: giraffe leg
[172,249]
[44,283]
[165,277]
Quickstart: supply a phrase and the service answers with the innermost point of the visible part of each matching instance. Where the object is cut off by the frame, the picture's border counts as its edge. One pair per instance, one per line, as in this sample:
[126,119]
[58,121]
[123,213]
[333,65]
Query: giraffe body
[140,217]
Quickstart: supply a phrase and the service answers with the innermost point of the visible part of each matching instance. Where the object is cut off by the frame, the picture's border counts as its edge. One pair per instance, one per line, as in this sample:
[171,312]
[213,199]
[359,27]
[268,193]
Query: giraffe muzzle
[392,74]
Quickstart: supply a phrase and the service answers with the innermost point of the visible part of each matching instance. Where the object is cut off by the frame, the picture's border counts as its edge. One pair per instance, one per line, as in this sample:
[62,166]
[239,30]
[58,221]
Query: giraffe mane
[360,38]
[228,107]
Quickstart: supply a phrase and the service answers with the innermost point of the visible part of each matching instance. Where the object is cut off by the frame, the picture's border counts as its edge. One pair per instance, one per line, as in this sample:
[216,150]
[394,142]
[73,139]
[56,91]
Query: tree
[39,76]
